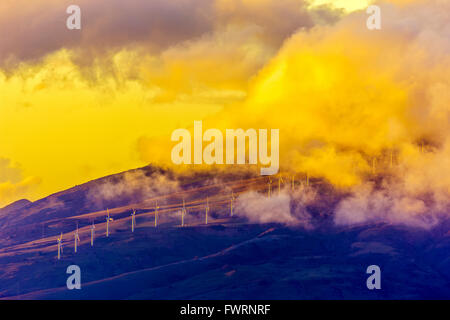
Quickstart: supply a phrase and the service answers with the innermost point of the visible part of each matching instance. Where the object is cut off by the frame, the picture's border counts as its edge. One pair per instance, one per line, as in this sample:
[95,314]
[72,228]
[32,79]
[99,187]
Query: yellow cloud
[341,96]
[347,5]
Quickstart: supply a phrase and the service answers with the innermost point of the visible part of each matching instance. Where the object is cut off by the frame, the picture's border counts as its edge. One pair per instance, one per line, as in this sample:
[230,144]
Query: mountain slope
[228,258]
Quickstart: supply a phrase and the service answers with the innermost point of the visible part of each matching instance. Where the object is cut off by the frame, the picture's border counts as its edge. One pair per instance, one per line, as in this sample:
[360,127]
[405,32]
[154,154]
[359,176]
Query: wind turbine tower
[108,219]
[280,181]
[59,240]
[92,233]
[156,214]
[183,212]
[76,238]
[206,210]
[133,220]
[231,203]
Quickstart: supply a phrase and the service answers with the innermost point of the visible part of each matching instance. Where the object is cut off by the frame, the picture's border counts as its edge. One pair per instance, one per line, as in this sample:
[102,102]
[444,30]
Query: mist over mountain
[286,246]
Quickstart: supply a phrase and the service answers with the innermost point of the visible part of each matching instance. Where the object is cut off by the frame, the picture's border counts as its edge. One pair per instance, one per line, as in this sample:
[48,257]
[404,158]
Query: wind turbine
[231,203]
[156,214]
[133,220]
[59,240]
[206,210]
[92,233]
[108,219]
[280,181]
[76,238]
[183,212]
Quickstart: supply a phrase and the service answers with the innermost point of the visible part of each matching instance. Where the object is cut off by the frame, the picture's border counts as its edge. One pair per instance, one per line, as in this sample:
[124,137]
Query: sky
[347,5]
[77,105]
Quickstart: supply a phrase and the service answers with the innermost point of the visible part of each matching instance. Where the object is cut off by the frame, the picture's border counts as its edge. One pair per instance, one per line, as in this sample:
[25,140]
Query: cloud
[347,5]
[9,172]
[389,205]
[12,183]
[278,19]
[284,208]
[31,30]
[132,187]
[112,25]
[354,106]
[355,93]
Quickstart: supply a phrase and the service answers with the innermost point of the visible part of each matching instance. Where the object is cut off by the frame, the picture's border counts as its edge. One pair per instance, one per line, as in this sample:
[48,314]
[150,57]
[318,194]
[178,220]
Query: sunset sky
[80,104]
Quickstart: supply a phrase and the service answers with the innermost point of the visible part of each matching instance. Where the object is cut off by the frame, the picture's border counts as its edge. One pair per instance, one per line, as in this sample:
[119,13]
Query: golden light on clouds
[57,124]
[80,106]
[347,5]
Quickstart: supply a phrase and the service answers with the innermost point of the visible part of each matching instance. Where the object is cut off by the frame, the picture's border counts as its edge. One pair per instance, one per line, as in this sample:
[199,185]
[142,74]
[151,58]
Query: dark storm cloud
[31,29]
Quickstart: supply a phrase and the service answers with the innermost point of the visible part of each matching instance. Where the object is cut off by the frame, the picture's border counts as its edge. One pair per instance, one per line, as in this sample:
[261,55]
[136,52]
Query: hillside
[231,257]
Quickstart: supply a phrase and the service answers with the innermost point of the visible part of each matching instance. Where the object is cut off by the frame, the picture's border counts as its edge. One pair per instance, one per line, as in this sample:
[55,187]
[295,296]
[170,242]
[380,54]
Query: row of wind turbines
[109,219]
